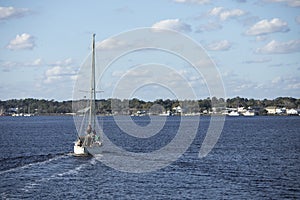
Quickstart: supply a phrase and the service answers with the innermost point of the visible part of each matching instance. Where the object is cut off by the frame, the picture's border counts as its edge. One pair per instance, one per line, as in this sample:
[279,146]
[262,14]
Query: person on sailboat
[96,139]
[79,142]
[89,129]
[88,137]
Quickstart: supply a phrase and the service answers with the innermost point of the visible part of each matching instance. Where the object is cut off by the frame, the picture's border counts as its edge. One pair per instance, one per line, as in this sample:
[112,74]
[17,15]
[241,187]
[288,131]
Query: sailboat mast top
[93,91]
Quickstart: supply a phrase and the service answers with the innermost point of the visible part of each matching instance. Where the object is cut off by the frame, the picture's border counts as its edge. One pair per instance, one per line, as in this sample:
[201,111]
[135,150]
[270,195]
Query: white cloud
[294,86]
[225,14]
[193,1]
[265,27]
[66,62]
[291,3]
[174,24]
[286,83]
[235,85]
[7,66]
[11,12]
[222,45]
[277,80]
[215,11]
[275,47]
[231,13]
[139,78]
[37,62]
[260,38]
[110,44]
[62,71]
[23,41]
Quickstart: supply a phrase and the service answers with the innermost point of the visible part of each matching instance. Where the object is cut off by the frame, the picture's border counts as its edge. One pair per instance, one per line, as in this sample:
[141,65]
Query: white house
[292,111]
[177,110]
[241,109]
[279,111]
[271,109]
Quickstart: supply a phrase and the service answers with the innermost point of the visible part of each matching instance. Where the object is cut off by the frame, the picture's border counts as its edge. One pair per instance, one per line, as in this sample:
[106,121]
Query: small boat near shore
[233,114]
[249,113]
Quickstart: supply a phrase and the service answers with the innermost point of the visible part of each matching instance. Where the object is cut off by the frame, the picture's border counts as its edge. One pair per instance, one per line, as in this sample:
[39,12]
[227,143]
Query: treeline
[36,106]
[42,106]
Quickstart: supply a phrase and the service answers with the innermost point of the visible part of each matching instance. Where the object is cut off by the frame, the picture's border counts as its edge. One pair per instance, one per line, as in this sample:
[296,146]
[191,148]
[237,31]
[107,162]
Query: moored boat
[249,113]
[233,114]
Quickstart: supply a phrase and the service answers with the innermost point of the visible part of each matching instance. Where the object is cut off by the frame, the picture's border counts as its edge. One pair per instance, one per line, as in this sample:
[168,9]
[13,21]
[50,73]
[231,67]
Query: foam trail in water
[33,164]
[79,168]
[70,172]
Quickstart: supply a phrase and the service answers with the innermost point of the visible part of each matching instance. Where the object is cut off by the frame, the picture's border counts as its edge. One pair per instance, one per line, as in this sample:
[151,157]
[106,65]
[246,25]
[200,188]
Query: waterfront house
[271,110]
[292,111]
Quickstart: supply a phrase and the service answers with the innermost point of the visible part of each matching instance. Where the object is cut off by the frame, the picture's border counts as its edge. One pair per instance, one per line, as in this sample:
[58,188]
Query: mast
[92,118]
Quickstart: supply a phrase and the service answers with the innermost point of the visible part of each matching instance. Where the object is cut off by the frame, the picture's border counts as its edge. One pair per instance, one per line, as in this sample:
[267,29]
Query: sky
[255,46]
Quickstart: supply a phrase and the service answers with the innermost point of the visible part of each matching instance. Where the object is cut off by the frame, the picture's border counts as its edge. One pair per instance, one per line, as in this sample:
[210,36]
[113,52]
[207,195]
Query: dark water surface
[255,158]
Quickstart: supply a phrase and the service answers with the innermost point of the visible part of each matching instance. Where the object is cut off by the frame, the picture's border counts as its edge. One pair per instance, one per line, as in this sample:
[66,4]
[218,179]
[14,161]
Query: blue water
[255,158]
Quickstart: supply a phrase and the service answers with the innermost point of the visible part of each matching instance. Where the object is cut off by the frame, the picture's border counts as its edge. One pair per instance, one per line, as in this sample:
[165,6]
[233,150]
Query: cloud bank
[222,45]
[174,24]
[225,14]
[23,41]
[7,13]
[265,27]
[275,47]
[193,1]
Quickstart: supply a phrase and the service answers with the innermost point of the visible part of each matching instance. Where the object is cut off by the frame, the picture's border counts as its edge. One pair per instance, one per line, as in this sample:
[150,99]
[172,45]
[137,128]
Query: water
[255,158]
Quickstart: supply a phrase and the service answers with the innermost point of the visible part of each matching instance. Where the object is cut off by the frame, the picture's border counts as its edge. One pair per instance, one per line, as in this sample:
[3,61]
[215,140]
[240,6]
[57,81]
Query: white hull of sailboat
[80,151]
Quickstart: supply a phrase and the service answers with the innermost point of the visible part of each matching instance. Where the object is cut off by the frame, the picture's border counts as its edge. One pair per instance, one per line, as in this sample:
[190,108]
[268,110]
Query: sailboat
[90,140]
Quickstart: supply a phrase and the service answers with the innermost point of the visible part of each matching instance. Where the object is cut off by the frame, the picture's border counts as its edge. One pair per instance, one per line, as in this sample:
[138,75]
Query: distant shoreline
[136,107]
[201,115]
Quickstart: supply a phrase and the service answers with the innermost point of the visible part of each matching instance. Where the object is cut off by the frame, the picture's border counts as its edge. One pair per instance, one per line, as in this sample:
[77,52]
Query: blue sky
[255,44]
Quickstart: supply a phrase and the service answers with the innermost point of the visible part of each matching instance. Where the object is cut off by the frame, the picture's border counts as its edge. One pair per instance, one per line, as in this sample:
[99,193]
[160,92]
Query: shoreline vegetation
[135,107]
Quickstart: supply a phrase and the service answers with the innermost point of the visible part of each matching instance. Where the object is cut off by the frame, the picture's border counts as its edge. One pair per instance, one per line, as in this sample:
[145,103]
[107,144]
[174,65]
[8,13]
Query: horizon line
[151,100]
